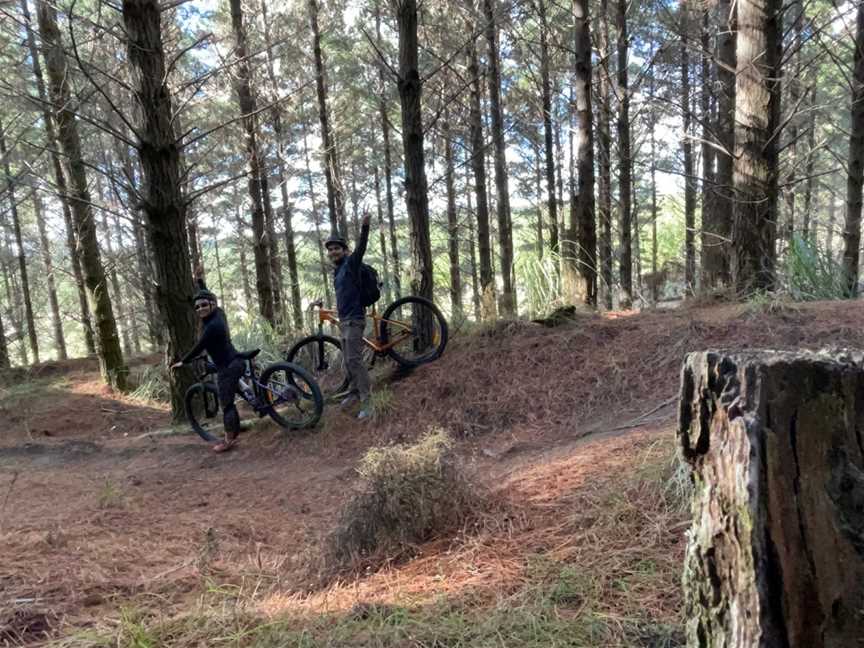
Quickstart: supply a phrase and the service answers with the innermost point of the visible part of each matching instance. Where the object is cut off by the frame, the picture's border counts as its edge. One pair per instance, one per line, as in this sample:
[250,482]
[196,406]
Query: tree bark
[111,364]
[258,191]
[241,252]
[382,237]
[604,148]
[757,118]
[625,163]
[56,320]
[776,551]
[4,349]
[19,245]
[472,248]
[548,134]
[316,219]
[452,223]
[478,164]
[652,126]
[687,149]
[718,265]
[388,164]
[855,176]
[507,298]
[796,9]
[416,197]
[335,200]
[808,225]
[163,203]
[59,179]
[282,154]
[582,222]
[538,176]
[710,249]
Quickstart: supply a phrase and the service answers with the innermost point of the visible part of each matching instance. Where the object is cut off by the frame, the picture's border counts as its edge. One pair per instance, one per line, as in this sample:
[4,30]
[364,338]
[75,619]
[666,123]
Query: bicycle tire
[310,393]
[435,351]
[316,355]
[202,391]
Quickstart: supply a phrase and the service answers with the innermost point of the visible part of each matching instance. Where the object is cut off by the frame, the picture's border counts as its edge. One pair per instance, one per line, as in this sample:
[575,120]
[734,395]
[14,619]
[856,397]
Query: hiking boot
[363,414]
[349,400]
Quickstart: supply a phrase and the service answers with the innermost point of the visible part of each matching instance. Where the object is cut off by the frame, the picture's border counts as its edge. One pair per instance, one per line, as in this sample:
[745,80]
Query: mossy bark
[776,551]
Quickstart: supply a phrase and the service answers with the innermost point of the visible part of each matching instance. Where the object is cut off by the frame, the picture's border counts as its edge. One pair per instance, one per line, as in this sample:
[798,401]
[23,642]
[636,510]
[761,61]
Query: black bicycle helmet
[202,292]
[336,239]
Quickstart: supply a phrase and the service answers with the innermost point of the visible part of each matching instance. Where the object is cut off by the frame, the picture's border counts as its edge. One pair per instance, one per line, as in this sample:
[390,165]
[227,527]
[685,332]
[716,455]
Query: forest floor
[112,534]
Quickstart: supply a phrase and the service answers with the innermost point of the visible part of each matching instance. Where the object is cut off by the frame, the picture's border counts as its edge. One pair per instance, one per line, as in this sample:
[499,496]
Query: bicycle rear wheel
[321,357]
[202,411]
[294,398]
[417,330]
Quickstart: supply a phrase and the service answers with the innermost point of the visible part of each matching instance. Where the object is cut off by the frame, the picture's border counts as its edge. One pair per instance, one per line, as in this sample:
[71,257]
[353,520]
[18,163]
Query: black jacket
[346,278]
[215,340]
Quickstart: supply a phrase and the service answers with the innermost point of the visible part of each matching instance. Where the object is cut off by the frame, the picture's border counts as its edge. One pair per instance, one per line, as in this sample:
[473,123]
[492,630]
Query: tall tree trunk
[416,197]
[282,154]
[796,9]
[19,245]
[757,118]
[604,148]
[60,180]
[538,176]
[388,164]
[583,223]
[56,321]
[832,223]
[241,252]
[142,262]
[194,241]
[218,264]
[111,363]
[258,191]
[687,148]
[13,292]
[452,223]
[382,236]
[4,349]
[808,225]
[710,249]
[316,219]
[472,246]
[719,274]
[855,177]
[335,199]
[625,163]
[162,202]
[507,299]
[652,126]
[114,278]
[548,134]
[478,164]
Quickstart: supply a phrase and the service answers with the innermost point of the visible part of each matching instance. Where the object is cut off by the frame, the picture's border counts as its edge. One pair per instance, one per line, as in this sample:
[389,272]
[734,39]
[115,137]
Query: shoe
[363,414]
[349,400]
[224,446]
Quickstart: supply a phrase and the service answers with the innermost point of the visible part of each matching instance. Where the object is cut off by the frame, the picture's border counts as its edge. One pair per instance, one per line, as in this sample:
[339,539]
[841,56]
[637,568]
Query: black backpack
[370,286]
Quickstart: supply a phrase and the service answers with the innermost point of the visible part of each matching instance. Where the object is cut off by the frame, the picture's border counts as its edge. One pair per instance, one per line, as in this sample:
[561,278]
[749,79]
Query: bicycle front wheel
[416,329]
[321,357]
[293,396]
[202,411]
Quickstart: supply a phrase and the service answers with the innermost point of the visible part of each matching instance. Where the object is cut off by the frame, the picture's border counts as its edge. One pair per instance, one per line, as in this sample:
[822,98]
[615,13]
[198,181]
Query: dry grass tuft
[408,494]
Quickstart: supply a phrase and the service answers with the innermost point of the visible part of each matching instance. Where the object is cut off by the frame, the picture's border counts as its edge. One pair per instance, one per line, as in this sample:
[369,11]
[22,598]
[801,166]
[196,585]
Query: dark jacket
[215,340]
[346,278]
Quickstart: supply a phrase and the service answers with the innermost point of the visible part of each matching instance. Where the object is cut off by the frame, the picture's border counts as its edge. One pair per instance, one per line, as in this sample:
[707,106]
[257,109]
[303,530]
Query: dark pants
[226,380]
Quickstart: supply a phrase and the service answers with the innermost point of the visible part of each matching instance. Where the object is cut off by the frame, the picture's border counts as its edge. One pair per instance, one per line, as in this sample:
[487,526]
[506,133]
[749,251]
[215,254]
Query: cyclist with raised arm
[216,341]
[352,313]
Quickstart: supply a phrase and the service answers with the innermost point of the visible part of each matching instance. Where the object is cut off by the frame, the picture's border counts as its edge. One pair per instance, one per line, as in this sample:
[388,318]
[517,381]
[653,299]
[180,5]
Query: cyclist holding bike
[352,314]
[216,341]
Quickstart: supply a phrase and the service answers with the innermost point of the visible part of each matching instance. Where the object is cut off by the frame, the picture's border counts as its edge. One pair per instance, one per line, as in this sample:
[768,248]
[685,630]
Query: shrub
[408,494]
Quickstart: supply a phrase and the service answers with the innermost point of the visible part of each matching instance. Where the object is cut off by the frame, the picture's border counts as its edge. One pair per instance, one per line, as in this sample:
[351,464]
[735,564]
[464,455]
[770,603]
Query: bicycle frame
[262,395]
[376,344]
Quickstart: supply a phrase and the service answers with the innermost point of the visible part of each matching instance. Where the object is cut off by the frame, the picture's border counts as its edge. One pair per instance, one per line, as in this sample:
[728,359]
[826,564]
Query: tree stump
[775,441]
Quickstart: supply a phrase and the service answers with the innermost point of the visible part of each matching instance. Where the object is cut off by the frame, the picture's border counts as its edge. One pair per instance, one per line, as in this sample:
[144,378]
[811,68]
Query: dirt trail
[93,516]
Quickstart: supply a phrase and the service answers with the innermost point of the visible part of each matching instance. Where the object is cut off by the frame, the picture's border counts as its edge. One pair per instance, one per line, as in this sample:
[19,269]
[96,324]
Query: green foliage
[539,282]
[252,331]
[810,273]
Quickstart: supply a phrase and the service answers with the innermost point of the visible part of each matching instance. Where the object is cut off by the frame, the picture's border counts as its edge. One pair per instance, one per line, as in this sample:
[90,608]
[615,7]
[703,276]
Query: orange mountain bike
[411,332]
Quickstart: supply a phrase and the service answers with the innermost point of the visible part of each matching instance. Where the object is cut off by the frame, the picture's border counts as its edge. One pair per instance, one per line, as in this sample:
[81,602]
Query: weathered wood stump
[775,556]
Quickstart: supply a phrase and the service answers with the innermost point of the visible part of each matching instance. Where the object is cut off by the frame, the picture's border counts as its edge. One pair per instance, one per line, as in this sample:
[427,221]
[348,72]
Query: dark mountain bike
[285,392]
[411,332]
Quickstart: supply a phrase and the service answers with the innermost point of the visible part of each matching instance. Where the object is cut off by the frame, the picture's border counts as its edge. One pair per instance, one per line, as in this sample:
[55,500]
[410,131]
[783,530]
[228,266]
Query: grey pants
[352,356]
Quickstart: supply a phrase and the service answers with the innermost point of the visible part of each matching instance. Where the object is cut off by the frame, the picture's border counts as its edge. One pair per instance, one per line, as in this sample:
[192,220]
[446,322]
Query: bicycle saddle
[248,355]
